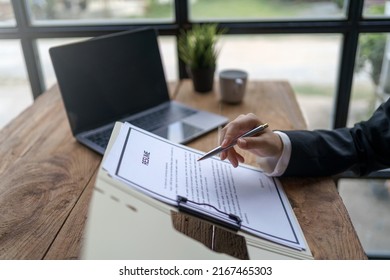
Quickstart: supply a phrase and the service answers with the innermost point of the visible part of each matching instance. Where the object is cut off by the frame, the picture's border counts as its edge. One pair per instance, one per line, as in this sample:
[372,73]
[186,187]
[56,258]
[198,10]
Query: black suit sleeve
[362,149]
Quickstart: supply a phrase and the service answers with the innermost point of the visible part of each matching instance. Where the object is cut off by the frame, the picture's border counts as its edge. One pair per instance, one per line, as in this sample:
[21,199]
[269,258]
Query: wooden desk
[46,178]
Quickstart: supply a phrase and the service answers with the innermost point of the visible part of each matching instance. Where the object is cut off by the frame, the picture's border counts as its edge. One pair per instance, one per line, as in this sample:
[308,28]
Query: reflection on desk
[47,178]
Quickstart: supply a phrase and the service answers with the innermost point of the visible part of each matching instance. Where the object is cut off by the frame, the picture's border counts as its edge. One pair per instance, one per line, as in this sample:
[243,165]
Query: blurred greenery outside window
[375,8]
[266,10]
[369,60]
[64,11]
[52,12]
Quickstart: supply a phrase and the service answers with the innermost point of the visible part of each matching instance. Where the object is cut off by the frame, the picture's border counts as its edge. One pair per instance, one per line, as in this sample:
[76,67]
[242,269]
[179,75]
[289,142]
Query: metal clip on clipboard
[230,221]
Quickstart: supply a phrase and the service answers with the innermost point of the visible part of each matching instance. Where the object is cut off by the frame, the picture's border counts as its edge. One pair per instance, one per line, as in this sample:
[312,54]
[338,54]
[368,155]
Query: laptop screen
[107,78]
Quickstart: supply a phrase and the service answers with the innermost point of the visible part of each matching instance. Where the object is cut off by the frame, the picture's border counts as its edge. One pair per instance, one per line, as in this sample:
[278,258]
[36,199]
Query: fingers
[237,127]
[232,155]
[231,131]
[266,144]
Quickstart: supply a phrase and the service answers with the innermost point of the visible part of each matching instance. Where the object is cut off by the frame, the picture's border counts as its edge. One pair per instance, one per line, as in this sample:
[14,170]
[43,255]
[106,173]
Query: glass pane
[7,17]
[266,10]
[167,49]
[371,84]
[15,92]
[169,57]
[376,8]
[368,203]
[309,62]
[98,11]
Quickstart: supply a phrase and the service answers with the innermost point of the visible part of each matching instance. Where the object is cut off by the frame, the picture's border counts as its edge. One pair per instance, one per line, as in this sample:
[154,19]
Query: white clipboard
[124,223]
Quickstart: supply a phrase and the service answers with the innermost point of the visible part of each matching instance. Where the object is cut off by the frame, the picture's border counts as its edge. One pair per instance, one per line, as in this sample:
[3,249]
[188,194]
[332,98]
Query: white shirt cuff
[277,166]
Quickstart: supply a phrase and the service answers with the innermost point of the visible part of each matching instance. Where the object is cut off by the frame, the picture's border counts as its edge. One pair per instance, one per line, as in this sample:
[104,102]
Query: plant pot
[202,79]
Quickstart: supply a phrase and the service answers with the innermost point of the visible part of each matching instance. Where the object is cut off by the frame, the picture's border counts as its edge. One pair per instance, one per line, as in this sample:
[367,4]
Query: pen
[246,134]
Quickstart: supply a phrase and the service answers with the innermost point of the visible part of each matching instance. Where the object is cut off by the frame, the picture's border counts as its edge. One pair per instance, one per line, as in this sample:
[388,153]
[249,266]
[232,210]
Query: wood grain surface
[47,179]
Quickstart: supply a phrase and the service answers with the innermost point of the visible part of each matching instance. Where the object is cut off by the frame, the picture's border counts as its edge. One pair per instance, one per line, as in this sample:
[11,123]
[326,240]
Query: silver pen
[234,142]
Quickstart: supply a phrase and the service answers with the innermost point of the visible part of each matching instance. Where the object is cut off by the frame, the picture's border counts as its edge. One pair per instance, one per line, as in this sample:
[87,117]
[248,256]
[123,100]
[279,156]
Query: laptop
[120,77]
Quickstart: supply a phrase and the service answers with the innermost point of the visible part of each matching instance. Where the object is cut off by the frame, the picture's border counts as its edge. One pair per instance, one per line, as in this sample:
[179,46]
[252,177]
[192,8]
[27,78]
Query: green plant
[197,47]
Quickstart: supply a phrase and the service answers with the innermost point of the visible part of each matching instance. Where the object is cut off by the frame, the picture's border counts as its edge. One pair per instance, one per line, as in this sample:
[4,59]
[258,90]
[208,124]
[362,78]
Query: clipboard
[227,220]
[124,223]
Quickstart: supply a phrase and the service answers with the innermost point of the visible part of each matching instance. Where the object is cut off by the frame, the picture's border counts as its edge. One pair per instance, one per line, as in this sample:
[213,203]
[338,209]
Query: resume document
[166,170]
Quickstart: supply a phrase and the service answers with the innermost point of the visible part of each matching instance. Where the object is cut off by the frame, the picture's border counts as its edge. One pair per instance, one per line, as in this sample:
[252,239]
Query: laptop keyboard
[101,138]
[166,115]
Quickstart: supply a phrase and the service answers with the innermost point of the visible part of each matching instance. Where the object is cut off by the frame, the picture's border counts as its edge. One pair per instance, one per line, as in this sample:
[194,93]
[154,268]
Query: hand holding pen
[266,144]
[221,148]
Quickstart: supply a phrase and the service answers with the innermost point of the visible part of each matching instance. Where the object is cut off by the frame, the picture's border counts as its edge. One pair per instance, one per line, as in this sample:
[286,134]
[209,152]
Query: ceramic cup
[232,85]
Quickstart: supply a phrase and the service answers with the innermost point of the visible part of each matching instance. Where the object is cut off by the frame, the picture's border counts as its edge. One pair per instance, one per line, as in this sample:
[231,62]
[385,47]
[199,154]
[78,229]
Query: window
[371,81]
[6,14]
[255,10]
[309,62]
[15,94]
[376,8]
[70,12]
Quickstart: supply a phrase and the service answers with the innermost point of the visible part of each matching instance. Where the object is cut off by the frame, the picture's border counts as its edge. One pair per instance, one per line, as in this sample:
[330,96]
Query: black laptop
[120,77]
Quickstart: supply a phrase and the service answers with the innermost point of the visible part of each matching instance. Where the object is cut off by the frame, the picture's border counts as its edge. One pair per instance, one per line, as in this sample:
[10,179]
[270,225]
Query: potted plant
[197,49]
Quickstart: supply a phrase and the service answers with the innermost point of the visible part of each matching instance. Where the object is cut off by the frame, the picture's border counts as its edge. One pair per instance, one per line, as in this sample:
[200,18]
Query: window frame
[349,27]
